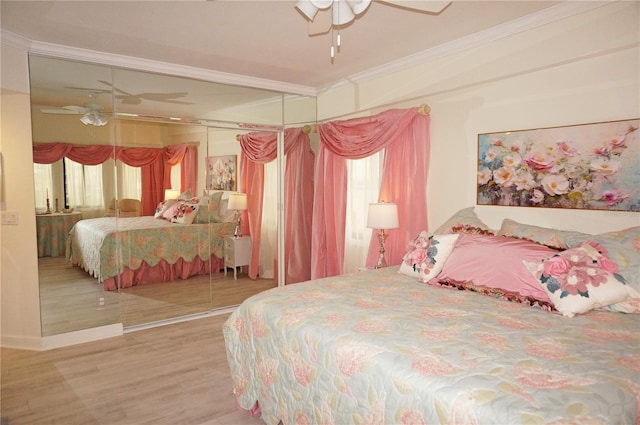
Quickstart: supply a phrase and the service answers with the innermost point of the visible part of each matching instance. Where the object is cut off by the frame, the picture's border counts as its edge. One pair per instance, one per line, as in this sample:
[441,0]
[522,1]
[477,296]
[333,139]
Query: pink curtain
[257,149]
[151,160]
[404,134]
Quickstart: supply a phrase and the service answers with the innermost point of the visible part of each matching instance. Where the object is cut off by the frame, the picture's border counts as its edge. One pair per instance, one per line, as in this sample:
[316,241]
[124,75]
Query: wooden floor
[175,375]
[72,300]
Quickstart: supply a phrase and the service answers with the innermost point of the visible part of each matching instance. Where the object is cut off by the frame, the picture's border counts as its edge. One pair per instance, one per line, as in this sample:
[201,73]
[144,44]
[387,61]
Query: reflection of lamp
[171,194]
[382,216]
[238,202]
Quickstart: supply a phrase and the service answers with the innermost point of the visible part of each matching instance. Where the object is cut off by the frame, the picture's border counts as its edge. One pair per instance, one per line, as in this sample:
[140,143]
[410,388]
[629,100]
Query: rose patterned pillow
[581,279]
[426,255]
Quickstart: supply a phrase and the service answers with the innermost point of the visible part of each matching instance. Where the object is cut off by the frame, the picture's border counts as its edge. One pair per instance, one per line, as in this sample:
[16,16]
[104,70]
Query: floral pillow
[162,207]
[464,221]
[183,212]
[581,279]
[426,255]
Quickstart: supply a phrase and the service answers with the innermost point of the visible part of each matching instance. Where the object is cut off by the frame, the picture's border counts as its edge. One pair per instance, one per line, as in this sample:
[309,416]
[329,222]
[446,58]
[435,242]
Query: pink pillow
[495,262]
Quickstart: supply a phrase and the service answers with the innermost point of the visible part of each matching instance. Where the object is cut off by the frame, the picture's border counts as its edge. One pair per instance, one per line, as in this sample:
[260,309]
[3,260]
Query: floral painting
[587,166]
[222,173]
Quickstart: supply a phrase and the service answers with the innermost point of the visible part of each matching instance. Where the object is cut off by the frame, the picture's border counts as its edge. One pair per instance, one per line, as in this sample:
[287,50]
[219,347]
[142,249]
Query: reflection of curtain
[151,161]
[257,149]
[404,135]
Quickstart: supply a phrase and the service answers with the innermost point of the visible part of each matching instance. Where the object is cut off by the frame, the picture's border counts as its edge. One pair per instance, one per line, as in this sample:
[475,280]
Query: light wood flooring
[175,375]
[72,300]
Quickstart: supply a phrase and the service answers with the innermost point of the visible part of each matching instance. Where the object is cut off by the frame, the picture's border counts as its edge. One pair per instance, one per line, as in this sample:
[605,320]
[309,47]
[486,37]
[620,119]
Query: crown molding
[534,20]
[140,64]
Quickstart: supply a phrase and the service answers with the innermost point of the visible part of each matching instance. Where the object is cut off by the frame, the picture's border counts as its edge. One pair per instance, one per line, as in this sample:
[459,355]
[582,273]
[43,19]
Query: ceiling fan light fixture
[94,118]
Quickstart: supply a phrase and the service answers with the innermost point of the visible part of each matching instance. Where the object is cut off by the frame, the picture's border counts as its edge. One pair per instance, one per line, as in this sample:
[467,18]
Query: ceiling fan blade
[115,88]
[321,24]
[76,109]
[430,6]
[89,89]
[59,111]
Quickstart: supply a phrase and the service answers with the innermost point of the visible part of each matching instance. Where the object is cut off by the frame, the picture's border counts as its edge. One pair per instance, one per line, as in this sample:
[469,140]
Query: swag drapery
[155,164]
[404,134]
[257,149]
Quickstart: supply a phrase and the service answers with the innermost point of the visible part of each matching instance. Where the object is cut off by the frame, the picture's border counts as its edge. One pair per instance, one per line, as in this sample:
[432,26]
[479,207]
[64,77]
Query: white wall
[20,303]
[577,70]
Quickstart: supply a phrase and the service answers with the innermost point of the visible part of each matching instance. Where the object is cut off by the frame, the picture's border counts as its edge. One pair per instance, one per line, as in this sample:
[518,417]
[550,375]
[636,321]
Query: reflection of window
[84,185]
[43,177]
[130,179]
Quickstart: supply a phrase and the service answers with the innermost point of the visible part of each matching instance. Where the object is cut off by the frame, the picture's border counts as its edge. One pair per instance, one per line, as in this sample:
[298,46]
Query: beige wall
[578,70]
[20,303]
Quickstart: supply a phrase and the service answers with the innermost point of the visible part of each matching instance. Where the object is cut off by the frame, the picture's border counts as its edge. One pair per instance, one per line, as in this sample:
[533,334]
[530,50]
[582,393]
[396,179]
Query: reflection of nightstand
[237,252]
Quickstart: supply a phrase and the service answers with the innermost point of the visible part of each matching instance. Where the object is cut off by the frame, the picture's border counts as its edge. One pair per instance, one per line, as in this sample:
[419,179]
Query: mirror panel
[147,110]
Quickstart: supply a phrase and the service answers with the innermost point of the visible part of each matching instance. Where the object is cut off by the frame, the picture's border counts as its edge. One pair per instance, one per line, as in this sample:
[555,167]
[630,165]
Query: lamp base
[382,262]
[237,232]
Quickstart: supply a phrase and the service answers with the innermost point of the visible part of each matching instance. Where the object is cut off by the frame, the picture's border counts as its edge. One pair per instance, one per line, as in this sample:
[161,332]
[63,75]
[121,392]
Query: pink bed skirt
[163,272]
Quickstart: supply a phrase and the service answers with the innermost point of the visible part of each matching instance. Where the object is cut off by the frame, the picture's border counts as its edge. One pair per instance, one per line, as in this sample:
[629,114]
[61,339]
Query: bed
[431,345]
[127,251]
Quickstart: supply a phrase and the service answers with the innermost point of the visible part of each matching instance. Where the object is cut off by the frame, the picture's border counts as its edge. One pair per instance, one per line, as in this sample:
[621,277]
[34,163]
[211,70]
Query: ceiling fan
[91,111]
[326,14]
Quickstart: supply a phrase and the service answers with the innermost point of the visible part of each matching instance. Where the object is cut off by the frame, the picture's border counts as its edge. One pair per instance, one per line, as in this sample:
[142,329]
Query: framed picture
[587,166]
[222,172]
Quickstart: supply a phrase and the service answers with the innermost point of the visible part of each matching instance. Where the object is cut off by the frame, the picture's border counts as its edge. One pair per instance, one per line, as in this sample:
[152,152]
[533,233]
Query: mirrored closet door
[123,137]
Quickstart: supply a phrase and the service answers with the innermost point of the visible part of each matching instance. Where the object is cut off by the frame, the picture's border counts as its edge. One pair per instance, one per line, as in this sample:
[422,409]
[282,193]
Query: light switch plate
[10,218]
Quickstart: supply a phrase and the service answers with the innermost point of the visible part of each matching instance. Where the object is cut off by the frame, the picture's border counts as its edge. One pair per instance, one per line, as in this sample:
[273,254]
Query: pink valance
[260,148]
[155,175]
[404,133]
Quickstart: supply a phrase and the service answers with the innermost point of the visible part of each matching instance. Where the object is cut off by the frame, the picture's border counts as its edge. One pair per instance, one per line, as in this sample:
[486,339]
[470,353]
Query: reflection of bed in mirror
[131,251]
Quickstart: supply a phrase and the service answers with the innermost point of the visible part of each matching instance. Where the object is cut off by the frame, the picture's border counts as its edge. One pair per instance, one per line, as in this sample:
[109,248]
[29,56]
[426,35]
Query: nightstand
[237,252]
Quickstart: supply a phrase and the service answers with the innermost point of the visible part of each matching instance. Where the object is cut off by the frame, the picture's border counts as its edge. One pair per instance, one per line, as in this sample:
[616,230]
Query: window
[130,181]
[363,187]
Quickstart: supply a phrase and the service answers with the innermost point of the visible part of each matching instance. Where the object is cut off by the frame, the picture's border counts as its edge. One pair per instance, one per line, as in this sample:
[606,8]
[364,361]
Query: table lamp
[238,202]
[382,216]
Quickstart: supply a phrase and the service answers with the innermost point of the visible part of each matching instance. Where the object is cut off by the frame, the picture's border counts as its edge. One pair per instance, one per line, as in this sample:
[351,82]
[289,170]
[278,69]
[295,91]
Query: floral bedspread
[104,246]
[379,347]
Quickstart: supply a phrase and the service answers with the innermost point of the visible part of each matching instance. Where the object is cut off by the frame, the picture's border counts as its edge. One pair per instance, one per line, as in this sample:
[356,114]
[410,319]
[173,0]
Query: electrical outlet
[100,301]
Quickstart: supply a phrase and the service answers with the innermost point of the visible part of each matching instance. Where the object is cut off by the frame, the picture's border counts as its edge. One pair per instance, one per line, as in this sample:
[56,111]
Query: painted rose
[484,175]
[541,162]
[524,181]
[604,167]
[504,176]
[613,197]
[555,184]
[511,160]
[566,149]
[618,141]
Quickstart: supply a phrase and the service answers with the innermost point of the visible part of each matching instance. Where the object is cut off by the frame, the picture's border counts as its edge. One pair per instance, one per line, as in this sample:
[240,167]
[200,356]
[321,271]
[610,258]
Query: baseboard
[81,336]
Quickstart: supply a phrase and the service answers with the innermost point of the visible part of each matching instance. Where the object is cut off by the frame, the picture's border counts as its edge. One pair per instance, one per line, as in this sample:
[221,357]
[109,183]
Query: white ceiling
[265,39]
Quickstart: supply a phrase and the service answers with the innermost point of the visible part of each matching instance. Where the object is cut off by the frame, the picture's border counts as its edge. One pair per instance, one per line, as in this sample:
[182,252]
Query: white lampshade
[237,201]
[383,215]
[307,8]
[171,194]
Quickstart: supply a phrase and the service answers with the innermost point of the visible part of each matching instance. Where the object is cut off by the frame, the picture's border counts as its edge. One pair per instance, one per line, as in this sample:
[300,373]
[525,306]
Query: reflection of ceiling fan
[136,99]
[91,112]
[325,14]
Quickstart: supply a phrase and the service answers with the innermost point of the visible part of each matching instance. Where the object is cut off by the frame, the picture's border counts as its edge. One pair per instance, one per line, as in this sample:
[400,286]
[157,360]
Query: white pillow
[426,255]
[581,279]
